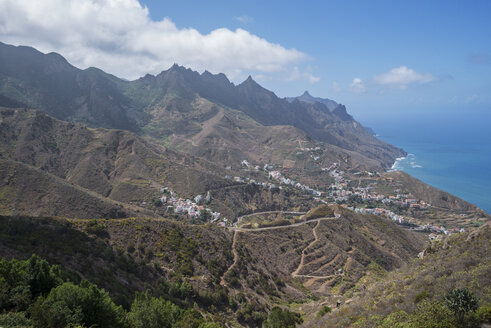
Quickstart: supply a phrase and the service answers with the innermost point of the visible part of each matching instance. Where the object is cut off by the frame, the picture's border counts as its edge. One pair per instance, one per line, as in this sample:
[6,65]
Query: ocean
[451,152]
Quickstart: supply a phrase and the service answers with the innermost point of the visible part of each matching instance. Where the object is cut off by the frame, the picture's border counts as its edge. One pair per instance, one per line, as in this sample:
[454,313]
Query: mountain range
[179,105]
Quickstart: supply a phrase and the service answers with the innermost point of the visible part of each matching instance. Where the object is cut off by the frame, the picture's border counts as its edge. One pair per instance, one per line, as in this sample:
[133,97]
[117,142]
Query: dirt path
[329,263]
[282,227]
[236,259]
[239,219]
[294,274]
[302,259]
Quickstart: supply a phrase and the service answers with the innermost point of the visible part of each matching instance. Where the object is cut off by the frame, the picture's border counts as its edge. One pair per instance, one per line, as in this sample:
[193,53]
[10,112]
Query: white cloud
[358,86]
[244,19]
[120,37]
[312,78]
[402,77]
[297,74]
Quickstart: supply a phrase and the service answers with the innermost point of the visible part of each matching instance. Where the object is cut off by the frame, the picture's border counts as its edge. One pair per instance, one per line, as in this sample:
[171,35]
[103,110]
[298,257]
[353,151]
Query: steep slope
[49,83]
[315,120]
[25,189]
[407,297]
[328,257]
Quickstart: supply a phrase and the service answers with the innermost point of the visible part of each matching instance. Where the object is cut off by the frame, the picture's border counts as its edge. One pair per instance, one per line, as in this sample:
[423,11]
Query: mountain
[177,105]
[308,98]
[51,84]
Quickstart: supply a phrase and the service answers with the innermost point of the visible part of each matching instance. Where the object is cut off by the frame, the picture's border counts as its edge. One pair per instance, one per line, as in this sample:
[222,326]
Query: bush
[325,309]
[279,318]
[431,314]
[421,296]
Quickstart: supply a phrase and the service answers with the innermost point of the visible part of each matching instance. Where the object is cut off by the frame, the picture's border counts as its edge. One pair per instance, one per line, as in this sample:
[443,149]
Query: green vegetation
[461,302]
[279,318]
[322,211]
[34,294]
[323,311]
[70,304]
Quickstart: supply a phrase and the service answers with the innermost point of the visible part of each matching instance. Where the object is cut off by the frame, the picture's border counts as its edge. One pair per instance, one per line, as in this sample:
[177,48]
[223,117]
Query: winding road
[295,273]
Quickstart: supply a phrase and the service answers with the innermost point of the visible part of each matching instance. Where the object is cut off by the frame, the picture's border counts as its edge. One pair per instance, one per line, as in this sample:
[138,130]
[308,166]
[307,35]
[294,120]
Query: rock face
[167,104]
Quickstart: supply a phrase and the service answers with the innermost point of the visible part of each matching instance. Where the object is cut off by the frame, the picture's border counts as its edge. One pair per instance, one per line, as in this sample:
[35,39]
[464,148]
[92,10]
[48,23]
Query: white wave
[396,165]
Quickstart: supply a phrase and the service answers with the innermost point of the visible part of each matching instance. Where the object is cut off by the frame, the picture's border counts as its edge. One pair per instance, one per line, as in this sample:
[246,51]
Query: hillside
[113,165]
[128,255]
[408,296]
[26,189]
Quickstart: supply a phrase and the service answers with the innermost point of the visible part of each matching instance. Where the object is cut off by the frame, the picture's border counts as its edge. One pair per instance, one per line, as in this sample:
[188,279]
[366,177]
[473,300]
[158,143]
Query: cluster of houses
[193,207]
[277,176]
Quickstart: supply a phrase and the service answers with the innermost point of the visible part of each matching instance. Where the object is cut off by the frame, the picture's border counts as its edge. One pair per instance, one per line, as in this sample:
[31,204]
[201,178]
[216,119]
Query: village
[337,193]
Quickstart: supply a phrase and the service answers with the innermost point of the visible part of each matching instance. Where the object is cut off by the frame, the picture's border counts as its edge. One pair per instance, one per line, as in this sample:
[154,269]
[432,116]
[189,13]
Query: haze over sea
[450,151]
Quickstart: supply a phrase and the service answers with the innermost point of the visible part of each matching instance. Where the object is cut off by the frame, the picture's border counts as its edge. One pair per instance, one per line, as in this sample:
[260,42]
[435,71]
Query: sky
[376,57]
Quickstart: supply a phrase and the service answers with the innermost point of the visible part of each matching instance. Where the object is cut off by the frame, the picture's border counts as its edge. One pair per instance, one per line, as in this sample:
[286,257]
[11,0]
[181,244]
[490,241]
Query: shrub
[483,314]
[432,314]
[279,318]
[421,296]
[325,309]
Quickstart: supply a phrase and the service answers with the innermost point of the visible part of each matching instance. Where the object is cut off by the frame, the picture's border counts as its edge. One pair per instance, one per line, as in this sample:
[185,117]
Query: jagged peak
[306,94]
[249,81]
[177,67]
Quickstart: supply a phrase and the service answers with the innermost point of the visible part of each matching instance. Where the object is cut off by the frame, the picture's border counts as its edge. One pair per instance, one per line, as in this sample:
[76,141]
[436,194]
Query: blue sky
[377,57]
[451,40]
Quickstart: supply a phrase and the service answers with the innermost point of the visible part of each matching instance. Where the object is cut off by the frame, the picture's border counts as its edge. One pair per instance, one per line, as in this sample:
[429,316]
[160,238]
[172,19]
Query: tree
[42,276]
[150,312]
[461,302]
[204,216]
[69,304]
